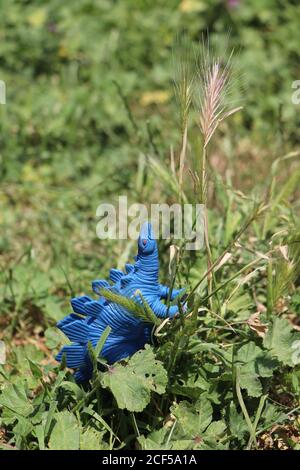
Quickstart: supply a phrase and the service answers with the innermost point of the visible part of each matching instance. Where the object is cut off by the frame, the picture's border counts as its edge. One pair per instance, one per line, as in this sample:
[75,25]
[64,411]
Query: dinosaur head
[146,242]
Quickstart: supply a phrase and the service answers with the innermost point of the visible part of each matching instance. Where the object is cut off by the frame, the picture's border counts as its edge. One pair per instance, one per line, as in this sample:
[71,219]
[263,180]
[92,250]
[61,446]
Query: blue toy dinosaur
[128,333]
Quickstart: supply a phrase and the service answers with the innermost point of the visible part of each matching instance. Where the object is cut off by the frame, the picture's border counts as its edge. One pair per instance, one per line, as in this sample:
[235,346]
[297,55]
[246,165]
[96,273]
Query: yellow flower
[191,6]
[30,174]
[37,17]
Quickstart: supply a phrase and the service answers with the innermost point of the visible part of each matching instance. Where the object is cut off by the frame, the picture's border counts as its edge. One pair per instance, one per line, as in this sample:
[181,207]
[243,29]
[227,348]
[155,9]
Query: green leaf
[196,346]
[265,365]
[131,383]
[15,399]
[194,419]
[272,414]
[237,423]
[75,391]
[35,370]
[99,418]
[65,434]
[195,428]
[216,428]
[92,440]
[240,304]
[279,340]
[248,353]
[50,416]
[192,387]
[250,382]
[210,443]
[102,340]
[255,363]
[23,427]
[156,440]
[39,432]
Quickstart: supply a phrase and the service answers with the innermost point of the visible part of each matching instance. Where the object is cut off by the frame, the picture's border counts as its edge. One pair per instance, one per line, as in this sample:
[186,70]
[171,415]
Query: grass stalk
[270,289]
[182,158]
[204,202]
[256,213]
[257,418]
[243,408]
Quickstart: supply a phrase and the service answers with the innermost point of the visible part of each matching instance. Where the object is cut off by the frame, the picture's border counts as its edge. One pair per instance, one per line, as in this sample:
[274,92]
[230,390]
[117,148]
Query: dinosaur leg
[162,311]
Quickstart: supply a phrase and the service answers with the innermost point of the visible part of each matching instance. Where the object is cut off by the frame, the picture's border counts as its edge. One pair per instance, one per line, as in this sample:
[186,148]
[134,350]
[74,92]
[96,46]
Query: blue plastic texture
[128,334]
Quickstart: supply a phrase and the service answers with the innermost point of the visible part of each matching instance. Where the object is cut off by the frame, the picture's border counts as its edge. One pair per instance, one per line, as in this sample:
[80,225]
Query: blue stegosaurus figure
[128,333]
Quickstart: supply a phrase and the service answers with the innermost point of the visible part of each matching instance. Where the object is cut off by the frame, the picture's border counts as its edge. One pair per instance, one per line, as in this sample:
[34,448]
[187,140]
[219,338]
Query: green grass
[90,115]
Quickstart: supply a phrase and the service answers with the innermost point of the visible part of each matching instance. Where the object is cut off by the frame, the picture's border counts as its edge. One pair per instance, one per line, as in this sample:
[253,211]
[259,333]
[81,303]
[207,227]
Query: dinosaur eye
[144,242]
